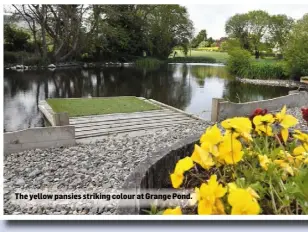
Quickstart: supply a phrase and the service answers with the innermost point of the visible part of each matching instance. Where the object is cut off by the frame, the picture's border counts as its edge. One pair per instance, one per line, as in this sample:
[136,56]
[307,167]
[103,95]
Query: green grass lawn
[95,106]
[221,57]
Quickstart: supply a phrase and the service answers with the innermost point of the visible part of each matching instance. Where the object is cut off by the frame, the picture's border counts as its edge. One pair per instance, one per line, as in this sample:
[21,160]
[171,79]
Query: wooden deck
[119,123]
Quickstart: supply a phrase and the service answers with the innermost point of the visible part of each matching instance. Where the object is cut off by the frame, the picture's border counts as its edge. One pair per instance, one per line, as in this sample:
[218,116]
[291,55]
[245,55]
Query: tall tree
[169,26]
[280,27]
[236,27]
[249,29]
[258,22]
[296,48]
[202,36]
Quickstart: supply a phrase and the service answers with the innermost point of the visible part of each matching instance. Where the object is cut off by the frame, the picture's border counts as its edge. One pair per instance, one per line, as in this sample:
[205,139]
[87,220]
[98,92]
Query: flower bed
[255,167]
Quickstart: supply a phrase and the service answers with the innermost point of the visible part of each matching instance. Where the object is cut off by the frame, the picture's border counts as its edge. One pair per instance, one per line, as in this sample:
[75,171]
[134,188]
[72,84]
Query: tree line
[96,32]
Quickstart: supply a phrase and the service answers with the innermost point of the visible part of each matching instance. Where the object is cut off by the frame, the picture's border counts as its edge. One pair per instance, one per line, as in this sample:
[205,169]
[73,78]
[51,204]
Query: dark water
[189,87]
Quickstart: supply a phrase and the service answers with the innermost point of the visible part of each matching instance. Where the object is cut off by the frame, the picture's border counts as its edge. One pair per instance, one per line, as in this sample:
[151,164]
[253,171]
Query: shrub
[10,57]
[22,58]
[263,70]
[240,64]
[255,167]
[16,37]
[296,49]
[238,60]
[148,62]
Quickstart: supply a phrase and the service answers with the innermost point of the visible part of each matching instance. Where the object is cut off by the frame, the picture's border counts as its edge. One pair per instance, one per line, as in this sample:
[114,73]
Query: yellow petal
[212,135]
[299,150]
[176,179]
[205,207]
[219,207]
[175,211]
[253,192]
[202,157]
[285,134]
[288,121]
[184,164]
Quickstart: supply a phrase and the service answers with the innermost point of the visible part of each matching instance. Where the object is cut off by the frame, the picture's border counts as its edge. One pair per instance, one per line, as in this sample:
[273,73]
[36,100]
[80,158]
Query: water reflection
[184,86]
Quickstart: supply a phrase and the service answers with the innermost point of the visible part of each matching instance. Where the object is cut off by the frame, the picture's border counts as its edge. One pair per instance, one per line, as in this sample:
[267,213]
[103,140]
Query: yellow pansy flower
[264,161]
[263,124]
[217,188]
[206,200]
[243,202]
[208,196]
[202,157]
[285,166]
[230,150]
[285,121]
[301,136]
[176,211]
[182,166]
[300,150]
[211,148]
[238,125]
[211,136]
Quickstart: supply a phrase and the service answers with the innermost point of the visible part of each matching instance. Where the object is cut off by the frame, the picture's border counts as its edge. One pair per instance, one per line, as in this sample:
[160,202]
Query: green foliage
[238,60]
[296,49]
[148,62]
[25,58]
[236,27]
[279,30]
[265,70]
[17,38]
[231,44]
[203,44]
[241,64]
[201,37]
[250,29]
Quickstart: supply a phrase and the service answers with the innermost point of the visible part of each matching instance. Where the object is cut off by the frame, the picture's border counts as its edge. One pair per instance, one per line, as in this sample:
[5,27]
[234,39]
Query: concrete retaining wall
[223,109]
[153,172]
[38,137]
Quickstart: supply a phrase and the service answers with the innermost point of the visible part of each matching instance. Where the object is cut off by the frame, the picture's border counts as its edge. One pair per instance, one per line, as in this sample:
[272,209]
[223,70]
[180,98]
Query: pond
[189,87]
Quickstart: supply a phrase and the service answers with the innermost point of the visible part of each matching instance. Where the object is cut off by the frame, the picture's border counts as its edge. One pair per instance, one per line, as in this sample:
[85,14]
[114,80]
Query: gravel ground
[99,166]
[284,83]
[296,112]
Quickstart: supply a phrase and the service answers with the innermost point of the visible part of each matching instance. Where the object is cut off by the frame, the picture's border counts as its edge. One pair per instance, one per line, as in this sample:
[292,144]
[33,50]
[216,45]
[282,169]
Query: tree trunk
[257,54]
[44,33]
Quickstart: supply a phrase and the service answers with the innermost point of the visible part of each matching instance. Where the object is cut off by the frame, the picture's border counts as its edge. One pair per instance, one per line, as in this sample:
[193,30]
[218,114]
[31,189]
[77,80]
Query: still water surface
[189,87]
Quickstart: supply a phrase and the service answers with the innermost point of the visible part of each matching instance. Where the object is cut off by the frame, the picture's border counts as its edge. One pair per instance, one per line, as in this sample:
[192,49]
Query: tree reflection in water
[174,85]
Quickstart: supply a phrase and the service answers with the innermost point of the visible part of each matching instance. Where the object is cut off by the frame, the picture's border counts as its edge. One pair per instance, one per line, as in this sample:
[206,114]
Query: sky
[213,17]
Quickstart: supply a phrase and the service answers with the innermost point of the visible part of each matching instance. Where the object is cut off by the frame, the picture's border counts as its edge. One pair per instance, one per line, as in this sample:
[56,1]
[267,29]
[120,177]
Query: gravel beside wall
[283,83]
[97,166]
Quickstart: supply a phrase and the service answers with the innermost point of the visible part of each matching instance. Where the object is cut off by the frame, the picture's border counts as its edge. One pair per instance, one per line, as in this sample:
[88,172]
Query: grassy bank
[220,57]
[96,106]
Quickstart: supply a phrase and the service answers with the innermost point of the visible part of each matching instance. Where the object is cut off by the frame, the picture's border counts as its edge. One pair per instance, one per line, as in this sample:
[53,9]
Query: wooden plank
[121,115]
[175,109]
[134,127]
[121,121]
[121,130]
[136,123]
[115,119]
